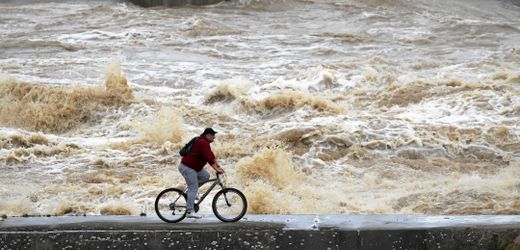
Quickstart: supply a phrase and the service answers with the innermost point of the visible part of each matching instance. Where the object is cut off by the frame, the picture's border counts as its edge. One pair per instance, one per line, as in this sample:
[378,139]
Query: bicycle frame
[216,181]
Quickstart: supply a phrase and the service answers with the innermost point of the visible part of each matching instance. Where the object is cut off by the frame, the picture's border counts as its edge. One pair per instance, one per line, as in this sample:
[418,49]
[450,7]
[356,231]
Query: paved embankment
[262,232]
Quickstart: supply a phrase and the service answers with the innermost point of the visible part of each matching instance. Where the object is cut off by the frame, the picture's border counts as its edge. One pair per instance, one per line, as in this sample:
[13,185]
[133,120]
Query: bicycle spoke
[229,205]
[171,205]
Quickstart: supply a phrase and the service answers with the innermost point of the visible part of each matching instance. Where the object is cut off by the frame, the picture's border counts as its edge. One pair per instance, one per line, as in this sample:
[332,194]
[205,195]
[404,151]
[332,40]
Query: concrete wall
[254,237]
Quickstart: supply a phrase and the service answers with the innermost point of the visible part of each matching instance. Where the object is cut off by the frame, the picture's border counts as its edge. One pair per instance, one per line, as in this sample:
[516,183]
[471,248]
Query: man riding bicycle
[192,167]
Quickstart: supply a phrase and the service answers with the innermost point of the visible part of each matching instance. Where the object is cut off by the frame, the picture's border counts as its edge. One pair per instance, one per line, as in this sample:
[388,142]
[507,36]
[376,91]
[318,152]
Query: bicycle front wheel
[170,205]
[229,205]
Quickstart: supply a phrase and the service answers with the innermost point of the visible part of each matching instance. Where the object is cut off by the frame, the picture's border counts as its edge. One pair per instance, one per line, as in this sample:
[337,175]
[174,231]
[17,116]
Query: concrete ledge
[256,233]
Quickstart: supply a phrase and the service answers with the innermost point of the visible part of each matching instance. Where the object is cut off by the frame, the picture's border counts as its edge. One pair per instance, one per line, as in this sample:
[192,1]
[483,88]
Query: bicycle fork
[225,196]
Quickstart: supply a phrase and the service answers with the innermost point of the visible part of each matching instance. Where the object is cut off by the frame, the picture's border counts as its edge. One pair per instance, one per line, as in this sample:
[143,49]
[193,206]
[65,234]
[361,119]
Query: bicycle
[229,204]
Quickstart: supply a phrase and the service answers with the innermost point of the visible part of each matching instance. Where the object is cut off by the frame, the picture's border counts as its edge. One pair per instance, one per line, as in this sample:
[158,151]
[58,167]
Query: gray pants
[194,180]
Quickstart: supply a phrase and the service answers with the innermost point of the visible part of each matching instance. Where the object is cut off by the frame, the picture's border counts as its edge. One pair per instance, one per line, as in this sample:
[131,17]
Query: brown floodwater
[322,106]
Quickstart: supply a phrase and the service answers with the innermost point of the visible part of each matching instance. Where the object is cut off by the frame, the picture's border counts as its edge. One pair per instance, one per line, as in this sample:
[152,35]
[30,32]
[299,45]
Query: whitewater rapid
[334,107]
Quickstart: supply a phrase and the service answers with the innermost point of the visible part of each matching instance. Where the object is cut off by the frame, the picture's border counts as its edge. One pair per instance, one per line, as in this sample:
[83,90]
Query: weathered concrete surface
[262,232]
[171,3]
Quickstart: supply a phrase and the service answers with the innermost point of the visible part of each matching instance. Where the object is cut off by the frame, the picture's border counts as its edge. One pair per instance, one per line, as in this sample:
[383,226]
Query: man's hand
[217,168]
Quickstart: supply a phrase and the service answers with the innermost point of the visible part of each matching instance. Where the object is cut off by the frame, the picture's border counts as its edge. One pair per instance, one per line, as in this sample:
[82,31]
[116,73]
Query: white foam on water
[378,106]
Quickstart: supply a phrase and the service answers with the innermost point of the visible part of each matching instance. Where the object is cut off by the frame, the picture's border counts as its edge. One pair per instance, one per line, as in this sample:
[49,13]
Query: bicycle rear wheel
[170,205]
[229,205]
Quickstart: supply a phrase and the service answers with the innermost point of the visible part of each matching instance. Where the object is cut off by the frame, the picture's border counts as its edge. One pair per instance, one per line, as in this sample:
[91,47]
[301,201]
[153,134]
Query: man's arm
[210,158]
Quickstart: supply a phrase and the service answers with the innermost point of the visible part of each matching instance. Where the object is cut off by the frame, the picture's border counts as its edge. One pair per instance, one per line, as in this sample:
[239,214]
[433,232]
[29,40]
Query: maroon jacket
[199,155]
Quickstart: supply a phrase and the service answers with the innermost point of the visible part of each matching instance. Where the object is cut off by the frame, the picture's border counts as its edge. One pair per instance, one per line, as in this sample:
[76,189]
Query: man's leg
[190,176]
[203,176]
